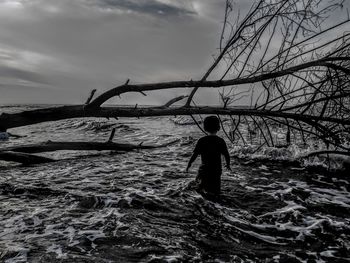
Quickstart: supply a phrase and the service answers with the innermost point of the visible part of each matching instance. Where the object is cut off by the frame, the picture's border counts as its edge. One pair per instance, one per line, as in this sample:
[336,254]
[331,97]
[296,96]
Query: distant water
[141,207]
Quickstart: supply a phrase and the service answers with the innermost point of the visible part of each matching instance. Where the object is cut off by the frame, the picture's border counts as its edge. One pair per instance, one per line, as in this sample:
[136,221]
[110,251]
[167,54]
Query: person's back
[210,148]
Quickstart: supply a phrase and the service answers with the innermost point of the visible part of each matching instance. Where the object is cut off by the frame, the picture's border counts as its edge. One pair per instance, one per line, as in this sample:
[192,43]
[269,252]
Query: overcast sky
[57,51]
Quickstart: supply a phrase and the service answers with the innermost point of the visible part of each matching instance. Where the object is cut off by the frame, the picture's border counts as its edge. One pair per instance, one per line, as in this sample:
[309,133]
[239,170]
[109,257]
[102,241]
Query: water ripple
[142,207]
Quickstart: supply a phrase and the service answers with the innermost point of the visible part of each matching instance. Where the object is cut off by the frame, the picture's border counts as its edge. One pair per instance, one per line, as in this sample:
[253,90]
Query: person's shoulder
[200,140]
[221,140]
[204,138]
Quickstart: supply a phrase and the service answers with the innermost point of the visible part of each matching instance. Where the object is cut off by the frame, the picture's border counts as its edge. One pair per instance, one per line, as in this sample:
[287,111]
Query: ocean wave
[293,154]
[142,207]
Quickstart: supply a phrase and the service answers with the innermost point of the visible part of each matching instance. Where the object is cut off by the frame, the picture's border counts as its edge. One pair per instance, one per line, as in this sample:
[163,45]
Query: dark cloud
[21,75]
[151,7]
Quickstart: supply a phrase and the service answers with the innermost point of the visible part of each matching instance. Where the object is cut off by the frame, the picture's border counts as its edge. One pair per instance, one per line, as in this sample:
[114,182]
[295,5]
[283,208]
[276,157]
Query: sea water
[141,206]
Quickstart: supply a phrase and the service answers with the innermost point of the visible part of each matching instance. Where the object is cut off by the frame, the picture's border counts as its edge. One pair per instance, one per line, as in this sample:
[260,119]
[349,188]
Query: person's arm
[226,155]
[193,157]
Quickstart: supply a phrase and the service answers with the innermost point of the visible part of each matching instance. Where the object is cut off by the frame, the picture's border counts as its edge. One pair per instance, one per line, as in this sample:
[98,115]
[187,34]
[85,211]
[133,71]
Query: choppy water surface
[141,207]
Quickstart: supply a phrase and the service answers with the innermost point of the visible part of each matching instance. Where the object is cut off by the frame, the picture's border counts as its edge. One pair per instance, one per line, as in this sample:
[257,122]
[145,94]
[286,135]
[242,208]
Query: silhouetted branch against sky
[274,35]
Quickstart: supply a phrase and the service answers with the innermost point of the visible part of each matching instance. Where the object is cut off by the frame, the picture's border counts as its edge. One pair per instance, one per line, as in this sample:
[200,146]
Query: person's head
[211,124]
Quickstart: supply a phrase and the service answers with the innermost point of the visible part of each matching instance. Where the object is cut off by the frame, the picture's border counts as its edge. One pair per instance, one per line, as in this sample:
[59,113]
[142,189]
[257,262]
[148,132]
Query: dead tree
[283,56]
[23,154]
[51,146]
[300,64]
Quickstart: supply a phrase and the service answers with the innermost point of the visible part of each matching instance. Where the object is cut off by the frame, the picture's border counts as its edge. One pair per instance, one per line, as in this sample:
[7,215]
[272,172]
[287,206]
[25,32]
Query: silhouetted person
[210,148]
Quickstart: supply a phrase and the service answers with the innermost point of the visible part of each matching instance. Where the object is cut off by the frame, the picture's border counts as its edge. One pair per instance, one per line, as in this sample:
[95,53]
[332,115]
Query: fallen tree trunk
[51,146]
[93,109]
[23,158]
[324,62]
[334,152]
[13,120]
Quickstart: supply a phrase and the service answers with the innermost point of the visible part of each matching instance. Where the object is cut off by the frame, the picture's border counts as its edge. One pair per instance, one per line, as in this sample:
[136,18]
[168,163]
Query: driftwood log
[21,154]
[23,158]
[51,146]
[80,111]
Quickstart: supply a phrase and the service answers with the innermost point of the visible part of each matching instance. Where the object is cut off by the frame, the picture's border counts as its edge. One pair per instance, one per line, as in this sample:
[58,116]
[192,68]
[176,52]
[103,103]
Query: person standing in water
[210,148]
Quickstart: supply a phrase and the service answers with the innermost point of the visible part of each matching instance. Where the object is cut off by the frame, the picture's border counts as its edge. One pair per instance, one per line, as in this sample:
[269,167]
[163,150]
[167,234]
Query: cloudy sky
[56,51]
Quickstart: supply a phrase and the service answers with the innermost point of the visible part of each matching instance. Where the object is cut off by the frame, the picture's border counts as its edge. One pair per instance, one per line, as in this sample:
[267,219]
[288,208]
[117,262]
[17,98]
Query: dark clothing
[209,180]
[210,149]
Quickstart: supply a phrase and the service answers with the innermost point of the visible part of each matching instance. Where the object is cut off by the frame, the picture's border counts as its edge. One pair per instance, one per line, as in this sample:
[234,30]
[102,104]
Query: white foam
[290,207]
[21,256]
[328,253]
[57,249]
